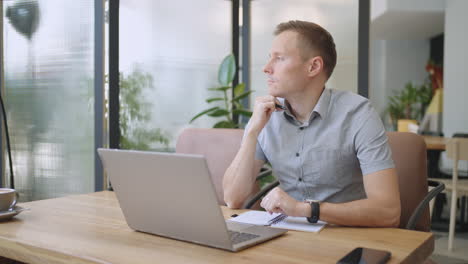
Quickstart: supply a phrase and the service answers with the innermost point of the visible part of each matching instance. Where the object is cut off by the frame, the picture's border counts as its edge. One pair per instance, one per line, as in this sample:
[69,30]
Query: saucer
[6,215]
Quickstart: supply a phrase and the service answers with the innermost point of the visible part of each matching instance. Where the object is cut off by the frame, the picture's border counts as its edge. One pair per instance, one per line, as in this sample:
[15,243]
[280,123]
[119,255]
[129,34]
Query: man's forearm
[239,177]
[356,213]
[361,213]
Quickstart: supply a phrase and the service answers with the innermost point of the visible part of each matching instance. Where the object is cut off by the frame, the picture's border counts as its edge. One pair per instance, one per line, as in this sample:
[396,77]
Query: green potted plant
[232,106]
[408,106]
[135,113]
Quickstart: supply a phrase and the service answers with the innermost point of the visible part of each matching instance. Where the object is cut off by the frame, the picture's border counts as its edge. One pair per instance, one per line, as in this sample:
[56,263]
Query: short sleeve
[371,143]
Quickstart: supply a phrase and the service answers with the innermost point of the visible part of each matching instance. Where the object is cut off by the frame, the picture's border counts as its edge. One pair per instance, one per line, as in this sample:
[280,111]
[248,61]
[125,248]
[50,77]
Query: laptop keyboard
[239,237]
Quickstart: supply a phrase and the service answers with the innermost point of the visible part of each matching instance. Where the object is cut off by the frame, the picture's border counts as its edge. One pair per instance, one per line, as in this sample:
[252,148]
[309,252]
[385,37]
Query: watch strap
[315,212]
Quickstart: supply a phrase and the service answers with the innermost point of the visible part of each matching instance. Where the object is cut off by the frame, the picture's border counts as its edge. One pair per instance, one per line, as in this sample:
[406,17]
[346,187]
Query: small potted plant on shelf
[408,106]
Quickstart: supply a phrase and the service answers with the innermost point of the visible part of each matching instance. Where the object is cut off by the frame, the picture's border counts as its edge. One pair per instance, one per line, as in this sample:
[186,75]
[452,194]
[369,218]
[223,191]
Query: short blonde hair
[313,37]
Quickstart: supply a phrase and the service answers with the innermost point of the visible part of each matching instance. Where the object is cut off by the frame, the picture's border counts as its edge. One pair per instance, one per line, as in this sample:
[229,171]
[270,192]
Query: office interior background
[62,62]
[78,75]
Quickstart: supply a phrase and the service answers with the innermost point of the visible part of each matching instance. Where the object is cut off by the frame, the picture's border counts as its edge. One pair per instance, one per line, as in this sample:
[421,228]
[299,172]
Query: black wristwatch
[315,212]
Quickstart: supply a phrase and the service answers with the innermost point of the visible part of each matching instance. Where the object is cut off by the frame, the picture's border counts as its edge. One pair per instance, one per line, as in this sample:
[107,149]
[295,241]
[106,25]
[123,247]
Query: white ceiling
[403,24]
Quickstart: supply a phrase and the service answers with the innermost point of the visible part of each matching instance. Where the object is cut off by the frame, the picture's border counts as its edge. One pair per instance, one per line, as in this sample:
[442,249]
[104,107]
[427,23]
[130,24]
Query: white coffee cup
[7,199]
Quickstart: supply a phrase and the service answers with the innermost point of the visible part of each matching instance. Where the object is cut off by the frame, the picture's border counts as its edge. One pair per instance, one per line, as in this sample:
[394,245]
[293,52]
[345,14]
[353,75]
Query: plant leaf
[223,88]
[219,112]
[243,112]
[227,70]
[209,100]
[239,89]
[204,112]
[242,96]
[238,105]
[224,124]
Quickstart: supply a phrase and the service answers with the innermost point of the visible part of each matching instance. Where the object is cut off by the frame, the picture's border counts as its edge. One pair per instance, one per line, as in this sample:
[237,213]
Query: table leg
[433,157]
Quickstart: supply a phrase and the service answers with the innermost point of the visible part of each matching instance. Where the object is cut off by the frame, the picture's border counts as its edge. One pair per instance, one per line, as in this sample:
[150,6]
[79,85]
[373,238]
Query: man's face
[286,70]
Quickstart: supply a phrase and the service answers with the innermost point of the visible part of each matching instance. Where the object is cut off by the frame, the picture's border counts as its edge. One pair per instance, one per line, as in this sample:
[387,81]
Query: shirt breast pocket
[332,167]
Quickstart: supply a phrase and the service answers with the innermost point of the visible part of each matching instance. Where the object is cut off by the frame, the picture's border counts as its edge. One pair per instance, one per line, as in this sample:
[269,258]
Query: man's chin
[274,92]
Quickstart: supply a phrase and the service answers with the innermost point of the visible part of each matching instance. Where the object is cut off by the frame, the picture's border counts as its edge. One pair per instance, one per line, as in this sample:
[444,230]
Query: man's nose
[267,68]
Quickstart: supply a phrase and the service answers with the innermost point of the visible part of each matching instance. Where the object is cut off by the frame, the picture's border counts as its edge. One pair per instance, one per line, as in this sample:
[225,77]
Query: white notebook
[290,222]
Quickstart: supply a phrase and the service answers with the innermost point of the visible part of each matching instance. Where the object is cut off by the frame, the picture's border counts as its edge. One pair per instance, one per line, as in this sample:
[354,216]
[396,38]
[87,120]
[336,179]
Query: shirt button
[297,154]
[301,128]
[300,179]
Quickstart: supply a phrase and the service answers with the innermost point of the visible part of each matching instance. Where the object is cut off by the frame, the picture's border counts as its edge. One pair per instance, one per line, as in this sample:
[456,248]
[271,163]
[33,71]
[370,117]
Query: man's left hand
[278,201]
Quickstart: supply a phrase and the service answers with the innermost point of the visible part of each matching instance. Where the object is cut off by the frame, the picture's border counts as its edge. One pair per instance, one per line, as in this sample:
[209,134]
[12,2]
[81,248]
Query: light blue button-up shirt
[324,159]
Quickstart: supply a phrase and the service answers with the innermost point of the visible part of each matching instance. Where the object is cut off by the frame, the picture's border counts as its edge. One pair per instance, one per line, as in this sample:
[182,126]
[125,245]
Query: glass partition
[49,95]
[169,56]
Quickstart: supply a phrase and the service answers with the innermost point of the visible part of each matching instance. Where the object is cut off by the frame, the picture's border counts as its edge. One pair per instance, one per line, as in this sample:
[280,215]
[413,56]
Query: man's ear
[315,66]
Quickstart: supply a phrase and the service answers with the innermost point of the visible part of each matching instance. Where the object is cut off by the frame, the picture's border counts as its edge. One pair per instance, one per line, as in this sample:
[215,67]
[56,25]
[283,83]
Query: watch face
[314,212]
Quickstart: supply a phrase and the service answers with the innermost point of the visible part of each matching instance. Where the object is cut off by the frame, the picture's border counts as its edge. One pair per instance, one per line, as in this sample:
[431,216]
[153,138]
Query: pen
[277,219]
[282,107]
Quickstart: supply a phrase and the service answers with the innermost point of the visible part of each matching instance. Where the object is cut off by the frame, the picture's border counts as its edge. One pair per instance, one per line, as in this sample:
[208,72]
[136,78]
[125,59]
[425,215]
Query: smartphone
[365,256]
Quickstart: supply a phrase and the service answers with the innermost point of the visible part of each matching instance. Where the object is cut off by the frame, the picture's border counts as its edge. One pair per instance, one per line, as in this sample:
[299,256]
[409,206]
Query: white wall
[393,63]
[455,115]
[380,7]
[403,19]
[417,5]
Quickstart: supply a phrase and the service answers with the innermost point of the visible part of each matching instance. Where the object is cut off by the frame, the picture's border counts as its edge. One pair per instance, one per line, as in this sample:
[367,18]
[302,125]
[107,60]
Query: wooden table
[435,143]
[91,229]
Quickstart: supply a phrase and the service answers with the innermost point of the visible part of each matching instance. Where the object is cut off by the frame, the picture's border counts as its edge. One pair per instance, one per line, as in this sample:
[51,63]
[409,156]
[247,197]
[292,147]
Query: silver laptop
[172,195]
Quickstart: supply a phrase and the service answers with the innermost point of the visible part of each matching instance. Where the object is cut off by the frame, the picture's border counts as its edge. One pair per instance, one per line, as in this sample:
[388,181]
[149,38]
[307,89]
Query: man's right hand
[264,106]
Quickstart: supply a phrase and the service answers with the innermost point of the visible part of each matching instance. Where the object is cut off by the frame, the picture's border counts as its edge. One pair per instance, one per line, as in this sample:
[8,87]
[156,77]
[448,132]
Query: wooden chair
[456,149]
[409,156]
[219,146]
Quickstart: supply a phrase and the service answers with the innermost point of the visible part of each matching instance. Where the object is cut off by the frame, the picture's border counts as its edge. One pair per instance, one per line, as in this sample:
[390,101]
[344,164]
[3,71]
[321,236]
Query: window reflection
[49,93]
[179,46]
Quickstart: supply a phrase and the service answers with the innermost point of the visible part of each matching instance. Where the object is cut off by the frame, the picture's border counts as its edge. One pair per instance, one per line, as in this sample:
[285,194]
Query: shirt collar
[323,103]
[321,108]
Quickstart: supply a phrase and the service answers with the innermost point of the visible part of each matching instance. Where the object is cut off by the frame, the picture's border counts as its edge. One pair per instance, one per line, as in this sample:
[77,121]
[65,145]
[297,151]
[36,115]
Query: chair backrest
[460,135]
[457,149]
[218,145]
[446,162]
[409,155]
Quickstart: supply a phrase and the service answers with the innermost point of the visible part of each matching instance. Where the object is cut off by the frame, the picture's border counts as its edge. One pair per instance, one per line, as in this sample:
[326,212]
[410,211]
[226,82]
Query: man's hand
[278,201]
[264,106]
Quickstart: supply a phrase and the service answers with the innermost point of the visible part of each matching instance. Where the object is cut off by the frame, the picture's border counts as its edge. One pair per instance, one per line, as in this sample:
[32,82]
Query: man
[324,145]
